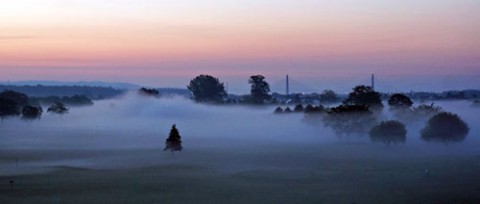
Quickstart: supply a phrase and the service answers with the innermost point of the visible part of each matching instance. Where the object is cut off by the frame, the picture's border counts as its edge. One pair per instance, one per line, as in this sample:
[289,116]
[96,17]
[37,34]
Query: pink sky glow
[165,43]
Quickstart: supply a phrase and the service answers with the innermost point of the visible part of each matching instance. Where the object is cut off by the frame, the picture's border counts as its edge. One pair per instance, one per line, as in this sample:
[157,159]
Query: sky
[408,45]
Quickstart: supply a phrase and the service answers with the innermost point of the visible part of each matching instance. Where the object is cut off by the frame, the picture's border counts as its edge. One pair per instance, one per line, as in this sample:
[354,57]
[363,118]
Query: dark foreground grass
[330,175]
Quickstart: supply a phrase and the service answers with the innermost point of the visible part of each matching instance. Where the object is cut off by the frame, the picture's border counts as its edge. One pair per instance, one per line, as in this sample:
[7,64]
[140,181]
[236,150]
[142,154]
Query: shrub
[278,110]
[298,108]
[349,119]
[389,132]
[445,127]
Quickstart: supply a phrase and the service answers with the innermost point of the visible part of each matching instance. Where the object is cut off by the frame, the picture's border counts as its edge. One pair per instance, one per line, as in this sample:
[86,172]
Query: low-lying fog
[89,136]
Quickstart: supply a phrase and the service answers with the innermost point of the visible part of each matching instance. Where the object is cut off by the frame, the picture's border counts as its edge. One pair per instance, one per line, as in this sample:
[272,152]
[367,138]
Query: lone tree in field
[260,89]
[173,142]
[364,96]
[206,88]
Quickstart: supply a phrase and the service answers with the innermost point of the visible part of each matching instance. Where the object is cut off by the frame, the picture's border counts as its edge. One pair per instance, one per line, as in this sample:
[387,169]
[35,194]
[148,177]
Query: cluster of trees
[76,100]
[14,104]
[206,88]
[148,92]
[361,112]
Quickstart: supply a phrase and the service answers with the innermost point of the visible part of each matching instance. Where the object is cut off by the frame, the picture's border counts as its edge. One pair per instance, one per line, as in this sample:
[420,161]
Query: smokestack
[287,88]
[373,81]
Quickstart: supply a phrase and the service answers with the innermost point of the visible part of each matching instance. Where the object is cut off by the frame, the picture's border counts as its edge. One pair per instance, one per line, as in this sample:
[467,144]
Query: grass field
[328,173]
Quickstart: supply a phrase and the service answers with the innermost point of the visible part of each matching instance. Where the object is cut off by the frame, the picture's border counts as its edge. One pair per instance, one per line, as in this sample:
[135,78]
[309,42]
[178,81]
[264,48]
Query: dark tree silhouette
[19,98]
[389,132]
[287,110]
[32,112]
[278,110]
[58,108]
[206,88]
[259,89]
[298,108]
[173,142]
[351,119]
[364,96]
[328,96]
[148,92]
[8,107]
[426,110]
[309,109]
[400,101]
[445,127]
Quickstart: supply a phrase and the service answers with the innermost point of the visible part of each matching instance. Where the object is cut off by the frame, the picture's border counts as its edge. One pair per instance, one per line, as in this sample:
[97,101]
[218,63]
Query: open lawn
[327,173]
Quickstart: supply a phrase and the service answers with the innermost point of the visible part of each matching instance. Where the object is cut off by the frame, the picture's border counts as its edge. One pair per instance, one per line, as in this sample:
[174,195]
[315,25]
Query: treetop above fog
[206,88]
[259,89]
[399,101]
[364,95]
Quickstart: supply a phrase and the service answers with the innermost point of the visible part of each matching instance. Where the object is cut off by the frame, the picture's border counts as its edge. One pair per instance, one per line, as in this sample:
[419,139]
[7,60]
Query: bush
[148,92]
[58,108]
[278,110]
[350,119]
[298,108]
[427,110]
[445,127]
[399,101]
[31,112]
[389,132]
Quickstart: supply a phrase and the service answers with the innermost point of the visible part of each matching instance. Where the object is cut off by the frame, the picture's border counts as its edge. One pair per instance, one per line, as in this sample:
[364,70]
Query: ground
[344,172]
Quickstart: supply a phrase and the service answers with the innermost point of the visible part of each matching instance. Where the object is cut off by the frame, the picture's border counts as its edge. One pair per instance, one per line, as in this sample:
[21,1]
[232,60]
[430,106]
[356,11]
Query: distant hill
[116,85]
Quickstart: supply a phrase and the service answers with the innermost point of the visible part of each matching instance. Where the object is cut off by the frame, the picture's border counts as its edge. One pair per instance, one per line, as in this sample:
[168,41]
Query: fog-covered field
[113,152]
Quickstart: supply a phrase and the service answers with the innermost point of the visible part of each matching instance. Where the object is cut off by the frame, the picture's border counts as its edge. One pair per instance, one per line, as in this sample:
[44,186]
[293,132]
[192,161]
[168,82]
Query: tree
[31,112]
[328,96]
[11,103]
[278,110]
[173,142]
[19,98]
[260,89]
[350,119]
[298,108]
[445,127]
[364,96]
[309,109]
[389,132]
[426,111]
[58,108]
[206,88]
[8,107]
[148,92]
[399,101]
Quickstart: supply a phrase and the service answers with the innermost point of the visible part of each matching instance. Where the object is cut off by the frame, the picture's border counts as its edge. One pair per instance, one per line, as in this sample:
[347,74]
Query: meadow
[112,152]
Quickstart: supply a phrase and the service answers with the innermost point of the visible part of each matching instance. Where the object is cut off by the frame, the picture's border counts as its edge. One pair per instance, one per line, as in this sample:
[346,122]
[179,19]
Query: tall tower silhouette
[373,81]
[287,87]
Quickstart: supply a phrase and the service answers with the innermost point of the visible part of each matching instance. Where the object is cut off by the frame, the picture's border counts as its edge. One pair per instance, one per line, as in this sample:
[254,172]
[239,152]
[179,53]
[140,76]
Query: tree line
[13,103]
